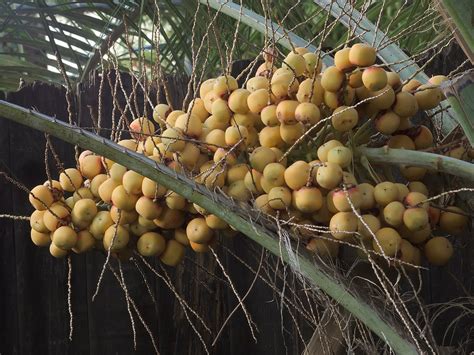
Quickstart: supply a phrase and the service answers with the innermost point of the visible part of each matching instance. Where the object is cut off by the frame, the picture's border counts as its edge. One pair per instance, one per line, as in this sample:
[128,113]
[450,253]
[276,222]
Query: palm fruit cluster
[237,139]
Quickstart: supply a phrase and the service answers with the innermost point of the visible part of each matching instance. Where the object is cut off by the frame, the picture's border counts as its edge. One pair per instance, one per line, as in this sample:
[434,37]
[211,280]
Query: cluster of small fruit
[237,139]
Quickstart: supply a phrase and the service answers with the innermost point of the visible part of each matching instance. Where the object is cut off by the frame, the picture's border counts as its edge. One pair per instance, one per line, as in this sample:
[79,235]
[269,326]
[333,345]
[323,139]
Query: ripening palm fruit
[100,223]
[329,175]
[428,96]
[151,244]
[313,64]
[238,191]
[85,242]
[261,203]
[411,85]
[373,224]
[307,199]
[324,149]
[401,141]
[453,221]
[123,217]
[64,238]
[91,166]
[416,199]
[405,104]
[198,231]
[284,85]
[307,112]
[270,137]
[374,78]
[332,79]
[393,213]
[224,85]
[70,179]
[279,198]
[274,173]
[258,100]
[236,135]
[56,216]
[215,139]
[413,173]
[41,197]
[385,192]
[387,241]
[180,236]
[132,182]
[345,201]
[368,197]
[355,79]
[172,139]
[211,123]
[285,111]
[238,101]
[362,55]
[415,237]
[341,59]
[252,181]
[269,117]
[37,223]
[141,128]
[403,191]
[291,132]
[341,156]
[418,186]
[173,253]
[438,251]
[161,112]
[387,123]
[296,62]
[170,219]
[261,157]
[297,175]
[215,222]
[382,99]
[393,79]
[311,90]
[424,138]
[415,218]
[189,124]
[84,212]
[148,208]
[258,82]
[344,118]
[40,239]
[343,225]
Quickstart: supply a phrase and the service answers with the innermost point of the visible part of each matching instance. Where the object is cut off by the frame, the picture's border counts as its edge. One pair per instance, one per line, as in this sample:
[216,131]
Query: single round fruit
[367,196]
[374,78]
[372,222]
[387,241]
[41,197]
[237,101]
[173,254]
[295,62]
[345,201]
[416,199]
[238,191]
[393,213]
[122,199]
[415,218]
[290,133]
[343,225]
[141,128]
[405,104]
[151,244]
[170,219]
[310,90]
[424,138]
[56,216]
[172,139]
[401,141]
[418,186]
[307,199]
[83,212]
[324,149]
[85,242]
[215,222]
[306,112]
[428,96]
[452,222]
[344,118]
[341,156]
[64,238]
[100,223]
[152,190]
[297,175]
[37,223]
[385,192]
[341,59]
[274,173]
[40,239]
[438,251]
[70,179]
[91,166]
[387,123]
[329,175]
[116,238]
[148,208]
[198,231]
[362,55]
[279,198]
[57,252]
[332,79]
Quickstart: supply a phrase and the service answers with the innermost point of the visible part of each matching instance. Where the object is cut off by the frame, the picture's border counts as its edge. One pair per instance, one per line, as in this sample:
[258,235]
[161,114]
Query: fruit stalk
[432,161]
[319,277]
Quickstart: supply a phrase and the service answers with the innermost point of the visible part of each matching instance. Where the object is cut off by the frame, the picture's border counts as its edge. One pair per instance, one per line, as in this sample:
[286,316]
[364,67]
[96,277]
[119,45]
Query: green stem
[436,162]
[238,218]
